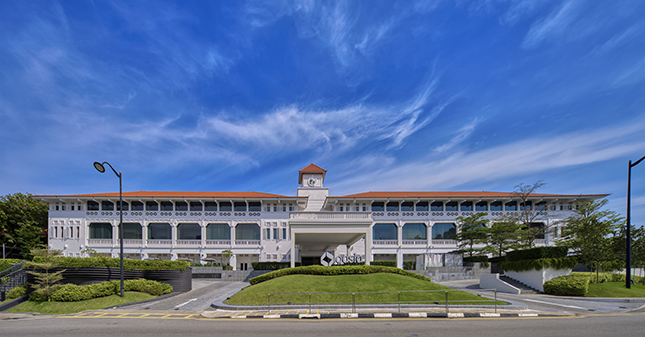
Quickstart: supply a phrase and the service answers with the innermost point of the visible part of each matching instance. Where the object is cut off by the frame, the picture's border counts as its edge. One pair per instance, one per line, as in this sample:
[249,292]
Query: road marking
[560,305]
[181,305]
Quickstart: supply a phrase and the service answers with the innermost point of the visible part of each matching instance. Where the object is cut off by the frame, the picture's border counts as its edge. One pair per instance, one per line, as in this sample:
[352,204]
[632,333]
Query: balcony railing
[159,242]
[444,242]
[102,242]
[247,242]
[189,242]
[385,242]
[218,242]
[327,216]
[415,242]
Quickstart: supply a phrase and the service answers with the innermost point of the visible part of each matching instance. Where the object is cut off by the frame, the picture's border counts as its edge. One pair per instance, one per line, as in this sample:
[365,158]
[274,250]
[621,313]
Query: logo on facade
[328,259]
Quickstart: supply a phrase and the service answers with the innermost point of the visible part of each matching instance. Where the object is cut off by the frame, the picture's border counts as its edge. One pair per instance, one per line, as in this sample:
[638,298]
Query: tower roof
[311,168]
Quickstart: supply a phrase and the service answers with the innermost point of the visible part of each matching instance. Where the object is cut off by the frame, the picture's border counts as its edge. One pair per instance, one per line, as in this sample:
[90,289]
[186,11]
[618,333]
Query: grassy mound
[333,271]
[344,285]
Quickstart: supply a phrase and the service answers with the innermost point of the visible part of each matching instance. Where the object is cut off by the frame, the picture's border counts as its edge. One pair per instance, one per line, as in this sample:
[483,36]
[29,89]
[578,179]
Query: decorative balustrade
[218,242]
[444,242]
[415,242]
[102,242]
[159,242]
[247,242]
[385,242]
[189,242]
[326,216]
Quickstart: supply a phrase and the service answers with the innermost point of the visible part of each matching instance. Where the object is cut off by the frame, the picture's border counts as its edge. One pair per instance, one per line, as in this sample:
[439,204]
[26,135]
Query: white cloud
[553,25]
[462,134]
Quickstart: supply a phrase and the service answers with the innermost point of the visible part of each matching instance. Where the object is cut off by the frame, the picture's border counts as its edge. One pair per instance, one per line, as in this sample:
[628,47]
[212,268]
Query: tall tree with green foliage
[23,223]
[530,216]
[619,242]
[46,282]
[472,230]
[590,231]
[502,237]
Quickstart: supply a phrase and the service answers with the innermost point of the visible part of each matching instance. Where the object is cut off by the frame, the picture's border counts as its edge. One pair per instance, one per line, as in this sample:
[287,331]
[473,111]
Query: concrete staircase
[523,287]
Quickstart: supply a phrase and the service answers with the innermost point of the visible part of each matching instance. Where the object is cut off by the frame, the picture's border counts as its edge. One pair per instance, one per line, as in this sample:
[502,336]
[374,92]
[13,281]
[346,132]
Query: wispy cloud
[462,134]
[552,26]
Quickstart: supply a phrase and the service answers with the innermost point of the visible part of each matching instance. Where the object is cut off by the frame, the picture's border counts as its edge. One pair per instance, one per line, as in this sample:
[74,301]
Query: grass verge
[615,289]
[73,307]
[358,284]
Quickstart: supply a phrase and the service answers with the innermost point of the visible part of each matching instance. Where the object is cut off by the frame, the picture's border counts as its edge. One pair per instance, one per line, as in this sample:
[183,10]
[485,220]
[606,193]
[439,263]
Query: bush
[536,253]
[483,259]
[609,277]
[103,261]
[272,265]
[74,293]
[8,263]
[569,285]
[17,292]
[526,265]
[334,270]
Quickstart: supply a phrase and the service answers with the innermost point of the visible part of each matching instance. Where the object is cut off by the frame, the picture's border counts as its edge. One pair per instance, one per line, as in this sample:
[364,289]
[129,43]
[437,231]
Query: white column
[293,248]
[399,258]
[368,246]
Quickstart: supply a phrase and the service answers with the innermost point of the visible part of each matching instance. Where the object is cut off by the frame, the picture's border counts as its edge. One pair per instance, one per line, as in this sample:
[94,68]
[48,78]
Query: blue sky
[238,96]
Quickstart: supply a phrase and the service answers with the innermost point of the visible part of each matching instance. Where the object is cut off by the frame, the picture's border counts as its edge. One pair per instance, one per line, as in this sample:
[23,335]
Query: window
[225,206]
[414,231]
[107,206]
[540,206]
[62,208]
[247,231]
[189,231]
[357,208]
[72,207]
[136,205]
[284,234]
[481,206]
[268,208]
[444,231]
[392,206]
[496,206]
[92,206]
[132,230]
[152,206]
[240,206]
[275,208]
[290,207]
[377,207]
[384,231]
[255,206]
[118,206]
[210,206]
[195,206]
[466,206]
[525,205]
[100,230]
[181,206]
[218,231]
[437,206]
[422,206]
[275,234]
[340,208]
[78,232]
[511,206]
[451,206]
[159,231]
[407,206]
[284,208]
[167,206]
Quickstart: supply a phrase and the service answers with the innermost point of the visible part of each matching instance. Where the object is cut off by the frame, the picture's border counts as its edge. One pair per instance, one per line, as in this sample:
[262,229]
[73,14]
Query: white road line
[181,305]
[549,303]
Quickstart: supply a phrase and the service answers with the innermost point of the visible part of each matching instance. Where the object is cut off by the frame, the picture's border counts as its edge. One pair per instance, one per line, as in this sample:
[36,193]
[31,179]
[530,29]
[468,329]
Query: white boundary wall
[492,281]
[536,278]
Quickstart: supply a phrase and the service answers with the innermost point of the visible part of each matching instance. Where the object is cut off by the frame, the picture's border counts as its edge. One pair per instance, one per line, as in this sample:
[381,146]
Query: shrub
[8,263]
[569,285]
[384,263]
[483,259]
[17,292]
[272,265]
[103,261]
[526,265]
[75,293]
[536,253]
[334,270]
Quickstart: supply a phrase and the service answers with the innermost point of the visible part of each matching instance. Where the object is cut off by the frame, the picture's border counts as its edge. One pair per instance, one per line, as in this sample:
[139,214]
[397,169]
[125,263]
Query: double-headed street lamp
[628,269]
[99,167]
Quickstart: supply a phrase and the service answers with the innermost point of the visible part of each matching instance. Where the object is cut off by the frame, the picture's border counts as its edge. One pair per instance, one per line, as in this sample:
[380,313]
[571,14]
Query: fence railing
[12,277]
[393,298]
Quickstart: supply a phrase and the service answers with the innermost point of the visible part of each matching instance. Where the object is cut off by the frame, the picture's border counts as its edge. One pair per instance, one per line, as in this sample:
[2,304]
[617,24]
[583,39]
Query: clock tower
[311,181]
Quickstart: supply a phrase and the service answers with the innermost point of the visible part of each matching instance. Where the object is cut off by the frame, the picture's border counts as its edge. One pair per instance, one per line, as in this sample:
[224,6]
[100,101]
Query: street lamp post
[101,168]
[628,269]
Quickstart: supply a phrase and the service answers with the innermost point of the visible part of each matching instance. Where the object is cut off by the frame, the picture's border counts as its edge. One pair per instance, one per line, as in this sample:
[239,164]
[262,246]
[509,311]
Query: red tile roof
[311,168]
[457,194]
[172,194]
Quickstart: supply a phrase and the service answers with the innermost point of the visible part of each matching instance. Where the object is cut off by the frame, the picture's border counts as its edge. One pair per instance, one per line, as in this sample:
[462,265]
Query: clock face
[312,181]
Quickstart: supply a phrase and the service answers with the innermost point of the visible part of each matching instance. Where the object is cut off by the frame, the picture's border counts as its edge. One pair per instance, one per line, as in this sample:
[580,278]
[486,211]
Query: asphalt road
[621,324]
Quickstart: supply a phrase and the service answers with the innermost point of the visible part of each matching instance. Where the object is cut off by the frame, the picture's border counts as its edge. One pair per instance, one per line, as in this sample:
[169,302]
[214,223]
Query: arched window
[414,231]
[218,231]
[159,231]
[100,230]
[247,231]
[444,231]
[189,231]
[384,231]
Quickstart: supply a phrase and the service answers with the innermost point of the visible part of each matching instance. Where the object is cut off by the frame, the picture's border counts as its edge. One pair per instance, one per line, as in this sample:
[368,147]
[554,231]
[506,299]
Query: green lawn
[615,289]
[73,307]
[358,284]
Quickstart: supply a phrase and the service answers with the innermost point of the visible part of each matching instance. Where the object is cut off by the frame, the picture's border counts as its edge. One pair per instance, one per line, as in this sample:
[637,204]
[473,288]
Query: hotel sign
[328,259]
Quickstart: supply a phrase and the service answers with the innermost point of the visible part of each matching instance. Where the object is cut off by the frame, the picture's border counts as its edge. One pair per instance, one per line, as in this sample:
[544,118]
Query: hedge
[609,277]
[74,293]
[569,285]
[272,265]
[483,259]
[526,265]
[103,261]
[549,252]
[384,263]
[334,270]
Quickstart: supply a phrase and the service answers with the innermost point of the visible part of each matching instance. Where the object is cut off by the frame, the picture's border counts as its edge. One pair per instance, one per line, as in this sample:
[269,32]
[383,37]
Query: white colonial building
[308,227]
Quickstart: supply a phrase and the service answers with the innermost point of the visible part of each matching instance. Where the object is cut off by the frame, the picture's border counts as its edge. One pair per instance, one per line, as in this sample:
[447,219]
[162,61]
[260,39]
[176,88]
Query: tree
[502,237]
[589,233]
[23,223]
[227,254]
[530,217]
[619,242]
[45,284]
[472,230]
